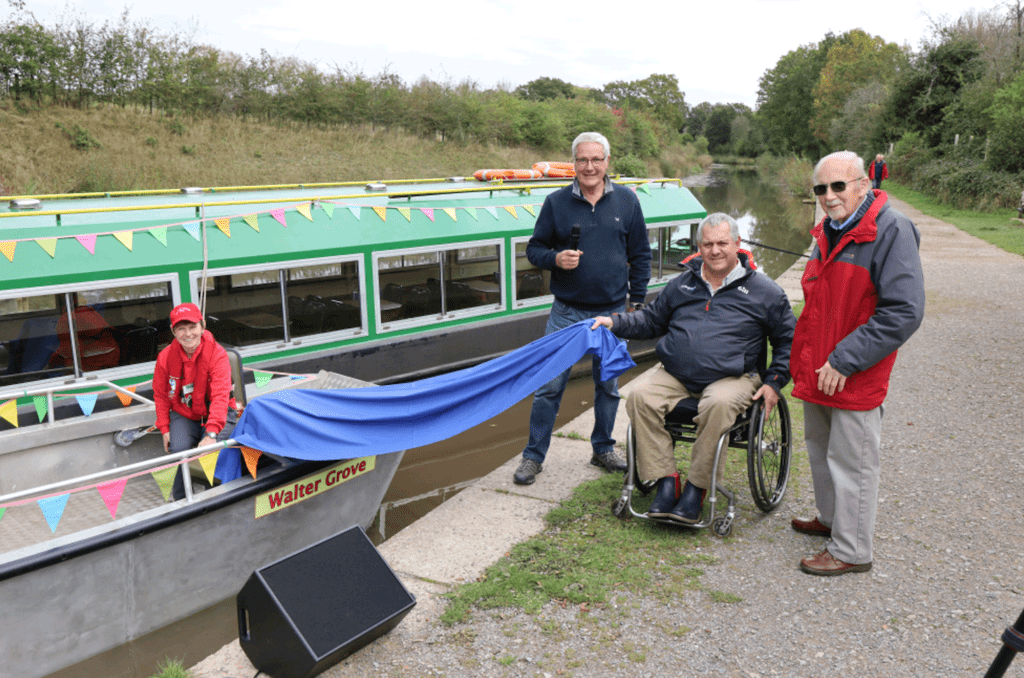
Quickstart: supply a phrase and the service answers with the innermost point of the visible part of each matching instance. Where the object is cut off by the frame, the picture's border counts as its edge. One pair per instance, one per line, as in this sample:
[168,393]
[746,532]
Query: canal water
[435,473]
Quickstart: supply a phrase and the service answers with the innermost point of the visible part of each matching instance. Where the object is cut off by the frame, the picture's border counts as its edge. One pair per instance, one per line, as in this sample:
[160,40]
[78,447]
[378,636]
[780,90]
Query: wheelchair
[767,440]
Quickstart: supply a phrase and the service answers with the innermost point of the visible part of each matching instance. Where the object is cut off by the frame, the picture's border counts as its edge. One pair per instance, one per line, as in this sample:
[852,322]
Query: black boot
[690,505]
[666,498]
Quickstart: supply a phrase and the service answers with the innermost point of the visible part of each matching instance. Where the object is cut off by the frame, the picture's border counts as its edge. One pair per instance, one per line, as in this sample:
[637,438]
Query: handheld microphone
[574,239]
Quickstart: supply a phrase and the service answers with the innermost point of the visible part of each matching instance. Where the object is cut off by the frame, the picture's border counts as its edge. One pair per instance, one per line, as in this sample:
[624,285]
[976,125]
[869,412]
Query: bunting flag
[279,215]
[646,188]
[88,242]
[329,208]
[529,208]
[160,233]
[40,402]
[193,230]
[251,458]
[165,480]
[428,211]
[53,509]
[511,209]
[224,224]
[405,212]
[125,238]
[49,245]
[356,211]
[304,210]
[262,378]
[125,399]
[382,212]
[111,494]
[87,401]
[2,510]
[9,411]
[7,247]
[450,211]
[209,463]
[253,221]
[472,212]
[492,210]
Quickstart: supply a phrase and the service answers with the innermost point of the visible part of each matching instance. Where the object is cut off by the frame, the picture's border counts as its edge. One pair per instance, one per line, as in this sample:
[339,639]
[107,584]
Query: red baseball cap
[183,312]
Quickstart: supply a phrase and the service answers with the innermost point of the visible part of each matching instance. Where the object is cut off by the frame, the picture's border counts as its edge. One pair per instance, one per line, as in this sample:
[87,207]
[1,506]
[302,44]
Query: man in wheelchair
[713,320]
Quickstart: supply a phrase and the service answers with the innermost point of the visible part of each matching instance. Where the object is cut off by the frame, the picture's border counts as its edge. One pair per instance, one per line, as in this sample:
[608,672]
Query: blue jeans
[548,398]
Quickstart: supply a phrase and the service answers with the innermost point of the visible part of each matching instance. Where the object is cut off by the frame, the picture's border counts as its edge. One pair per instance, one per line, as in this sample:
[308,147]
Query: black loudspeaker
[307,611]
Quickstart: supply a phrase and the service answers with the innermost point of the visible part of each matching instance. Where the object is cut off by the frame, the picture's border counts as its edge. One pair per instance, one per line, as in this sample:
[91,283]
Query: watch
[211,434]
[637,305]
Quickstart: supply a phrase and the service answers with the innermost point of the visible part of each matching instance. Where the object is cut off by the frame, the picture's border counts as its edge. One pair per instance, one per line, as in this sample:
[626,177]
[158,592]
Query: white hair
[591,136]
[717,219]
[847,156]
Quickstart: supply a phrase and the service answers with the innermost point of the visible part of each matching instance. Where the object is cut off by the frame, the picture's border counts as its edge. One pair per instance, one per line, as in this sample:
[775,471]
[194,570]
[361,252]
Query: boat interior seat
[340,316]
[139,345]
[529,284]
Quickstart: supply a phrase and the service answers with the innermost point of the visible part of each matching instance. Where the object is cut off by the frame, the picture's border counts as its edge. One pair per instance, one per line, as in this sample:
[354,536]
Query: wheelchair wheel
[769,450]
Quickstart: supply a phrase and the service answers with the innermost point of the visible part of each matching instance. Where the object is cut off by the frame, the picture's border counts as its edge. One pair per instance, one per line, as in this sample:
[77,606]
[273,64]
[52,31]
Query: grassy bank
[66,150]
[999,227]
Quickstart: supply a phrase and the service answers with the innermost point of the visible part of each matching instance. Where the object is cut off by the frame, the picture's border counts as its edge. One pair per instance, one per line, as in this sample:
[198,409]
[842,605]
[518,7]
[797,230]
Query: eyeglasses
[836,186]
[583,162]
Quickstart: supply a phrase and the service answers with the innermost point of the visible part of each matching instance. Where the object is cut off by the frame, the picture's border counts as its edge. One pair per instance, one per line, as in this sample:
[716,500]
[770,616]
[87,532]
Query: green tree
[1006,149]
[545,89]
[29,61]
[658,94]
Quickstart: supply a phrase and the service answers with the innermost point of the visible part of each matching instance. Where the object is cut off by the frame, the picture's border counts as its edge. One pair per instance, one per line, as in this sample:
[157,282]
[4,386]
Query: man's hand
[829,379]
[167,441]
[568,259]
[771,398]
[601,320]
[207,440]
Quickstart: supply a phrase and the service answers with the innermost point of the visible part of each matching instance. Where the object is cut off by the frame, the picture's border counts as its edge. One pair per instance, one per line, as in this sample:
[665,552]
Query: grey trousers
[719,405]
[842,446]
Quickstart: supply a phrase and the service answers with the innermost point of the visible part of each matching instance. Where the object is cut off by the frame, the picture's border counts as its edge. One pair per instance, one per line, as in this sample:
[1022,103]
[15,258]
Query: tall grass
[51,150]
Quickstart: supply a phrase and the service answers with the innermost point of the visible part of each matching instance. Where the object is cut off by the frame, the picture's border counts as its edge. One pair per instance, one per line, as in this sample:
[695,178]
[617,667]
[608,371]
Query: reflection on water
[766,213]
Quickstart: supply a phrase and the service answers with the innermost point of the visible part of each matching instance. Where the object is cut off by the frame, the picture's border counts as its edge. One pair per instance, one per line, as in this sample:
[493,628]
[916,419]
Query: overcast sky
[718,49]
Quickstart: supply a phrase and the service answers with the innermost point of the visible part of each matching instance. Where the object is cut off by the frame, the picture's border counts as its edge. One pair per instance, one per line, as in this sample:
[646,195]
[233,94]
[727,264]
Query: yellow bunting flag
[511,209]
[160,233]
[49,245]
[262,378]
[224,224]
[125,238]
[382,212]
[450,211]
[251,458]
[252,220]
[405,212]
[125,399]
[209,464]
[529,208]
[305,211]
[164,480]
[9,411]
[7,247]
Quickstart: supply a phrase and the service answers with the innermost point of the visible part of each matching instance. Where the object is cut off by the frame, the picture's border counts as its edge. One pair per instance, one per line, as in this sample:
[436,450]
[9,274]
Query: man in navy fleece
[592,236]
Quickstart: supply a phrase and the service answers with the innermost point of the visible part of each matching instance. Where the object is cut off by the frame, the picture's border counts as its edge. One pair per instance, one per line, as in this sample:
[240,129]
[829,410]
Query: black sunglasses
[836,186]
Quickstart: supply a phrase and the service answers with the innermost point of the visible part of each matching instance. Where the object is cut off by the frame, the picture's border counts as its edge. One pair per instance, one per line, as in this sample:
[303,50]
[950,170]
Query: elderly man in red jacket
[192,388]
[864,294]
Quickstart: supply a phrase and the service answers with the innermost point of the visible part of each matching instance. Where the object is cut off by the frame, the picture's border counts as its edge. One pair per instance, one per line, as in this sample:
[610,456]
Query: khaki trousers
[720,403]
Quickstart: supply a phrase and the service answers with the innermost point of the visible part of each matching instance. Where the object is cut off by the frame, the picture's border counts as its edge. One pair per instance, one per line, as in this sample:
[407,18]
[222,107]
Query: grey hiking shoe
[609,461]
[527,472]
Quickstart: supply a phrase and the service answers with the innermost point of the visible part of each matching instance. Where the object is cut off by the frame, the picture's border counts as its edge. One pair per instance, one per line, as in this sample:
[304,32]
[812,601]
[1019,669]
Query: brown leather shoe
[826,565]
[812,526]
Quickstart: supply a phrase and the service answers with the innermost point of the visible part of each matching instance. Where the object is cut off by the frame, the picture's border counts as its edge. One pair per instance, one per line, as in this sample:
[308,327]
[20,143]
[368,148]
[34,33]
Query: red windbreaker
[208,372]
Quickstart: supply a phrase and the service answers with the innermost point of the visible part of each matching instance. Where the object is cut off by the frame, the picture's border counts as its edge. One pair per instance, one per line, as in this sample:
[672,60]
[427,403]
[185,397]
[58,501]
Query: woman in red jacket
[192,388]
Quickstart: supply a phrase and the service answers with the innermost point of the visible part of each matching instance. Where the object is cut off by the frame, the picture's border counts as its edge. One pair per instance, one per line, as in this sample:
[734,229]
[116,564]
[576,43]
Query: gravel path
[947,576]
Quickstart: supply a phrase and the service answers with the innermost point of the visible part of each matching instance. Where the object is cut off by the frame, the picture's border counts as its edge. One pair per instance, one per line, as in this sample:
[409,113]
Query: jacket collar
[865,229]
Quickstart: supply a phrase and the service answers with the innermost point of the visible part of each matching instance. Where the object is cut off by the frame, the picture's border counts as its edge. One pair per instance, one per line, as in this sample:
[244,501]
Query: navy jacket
[707,338]
[616,258]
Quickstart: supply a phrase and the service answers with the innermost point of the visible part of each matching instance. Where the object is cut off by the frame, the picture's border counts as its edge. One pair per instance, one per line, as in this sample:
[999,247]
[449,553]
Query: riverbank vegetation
[121,106]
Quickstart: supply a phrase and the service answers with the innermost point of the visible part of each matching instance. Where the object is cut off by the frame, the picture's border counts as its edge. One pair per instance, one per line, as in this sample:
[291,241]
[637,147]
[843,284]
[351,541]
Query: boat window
[244,308]
[532,283]
[670,244]
[437,283]
[110,327]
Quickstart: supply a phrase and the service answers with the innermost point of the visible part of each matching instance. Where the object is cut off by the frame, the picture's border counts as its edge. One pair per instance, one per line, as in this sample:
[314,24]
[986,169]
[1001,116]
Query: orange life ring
[506,174]
[563,170]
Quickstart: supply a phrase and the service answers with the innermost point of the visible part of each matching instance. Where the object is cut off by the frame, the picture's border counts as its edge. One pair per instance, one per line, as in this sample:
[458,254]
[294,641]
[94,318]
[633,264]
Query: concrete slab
[567,465]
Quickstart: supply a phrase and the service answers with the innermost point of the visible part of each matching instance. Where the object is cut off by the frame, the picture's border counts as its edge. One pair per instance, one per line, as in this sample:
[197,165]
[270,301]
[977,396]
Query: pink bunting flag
[88,242]
[429,211]
[111,494]
[279,215]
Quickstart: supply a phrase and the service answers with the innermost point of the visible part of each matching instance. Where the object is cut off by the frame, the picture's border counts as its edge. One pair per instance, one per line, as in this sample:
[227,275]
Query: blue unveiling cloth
[347,423]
